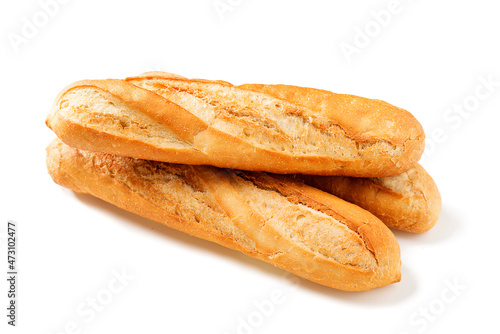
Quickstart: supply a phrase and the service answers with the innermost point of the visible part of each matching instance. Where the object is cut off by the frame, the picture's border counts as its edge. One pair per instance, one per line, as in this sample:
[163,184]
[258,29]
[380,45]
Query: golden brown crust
[409,201]
[364,119]
[169,118]
[316,236]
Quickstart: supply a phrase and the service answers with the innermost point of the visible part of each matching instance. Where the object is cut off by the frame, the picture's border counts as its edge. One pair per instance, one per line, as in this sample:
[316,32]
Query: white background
[429,57]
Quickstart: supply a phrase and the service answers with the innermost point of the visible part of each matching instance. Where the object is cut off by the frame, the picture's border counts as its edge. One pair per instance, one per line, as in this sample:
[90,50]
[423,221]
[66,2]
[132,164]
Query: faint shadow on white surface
[395,293]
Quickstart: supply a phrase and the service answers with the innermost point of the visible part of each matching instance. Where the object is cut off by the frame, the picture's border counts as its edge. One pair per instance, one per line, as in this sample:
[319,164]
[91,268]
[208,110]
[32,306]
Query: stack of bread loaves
[255,168]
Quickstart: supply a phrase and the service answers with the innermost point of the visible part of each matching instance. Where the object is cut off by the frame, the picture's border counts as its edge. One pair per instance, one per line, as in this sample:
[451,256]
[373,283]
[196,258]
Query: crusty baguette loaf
[293,226]
[409,201]
[164,117]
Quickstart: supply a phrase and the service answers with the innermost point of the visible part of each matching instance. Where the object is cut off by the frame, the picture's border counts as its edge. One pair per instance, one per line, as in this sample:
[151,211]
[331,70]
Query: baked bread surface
[271,217]
[279,129]
[410,201]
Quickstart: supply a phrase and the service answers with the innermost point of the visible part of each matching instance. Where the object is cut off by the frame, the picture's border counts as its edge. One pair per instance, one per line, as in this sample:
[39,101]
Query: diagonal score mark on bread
[121,109]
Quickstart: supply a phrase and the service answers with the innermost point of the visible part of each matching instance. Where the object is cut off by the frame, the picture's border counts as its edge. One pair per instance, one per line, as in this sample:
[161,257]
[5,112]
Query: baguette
[270,217]
[410,201]
[165,117]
